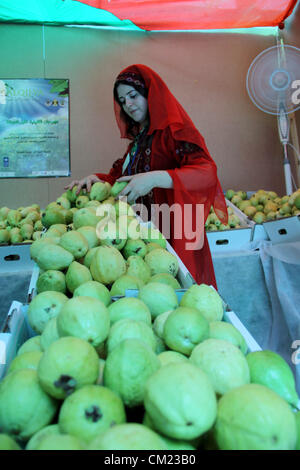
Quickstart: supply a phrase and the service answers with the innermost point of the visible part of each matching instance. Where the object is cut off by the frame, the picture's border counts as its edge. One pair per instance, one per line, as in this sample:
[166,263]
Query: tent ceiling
[150,14]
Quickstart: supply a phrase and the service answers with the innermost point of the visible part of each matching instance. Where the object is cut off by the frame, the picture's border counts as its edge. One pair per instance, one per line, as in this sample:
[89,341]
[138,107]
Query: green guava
[40,435]
[43,307]
[107,265]
[8,443]
[134,247]
[90,235]
[137,267]
[127,369]
[158,297]
[85,217]
[153,235]
[180,401]
[81,201]
[253,417]
[166,357]
[62,228]
[38,244]
[51,280]
[52,216]
[31,344]
[129,328]
[270,369]
[205,299]
[75,243]
[125,282]
[166,278]
[27,360]
[162,261]
[94,289]
[111,234]
[76,275]
[99,191]
[228,332]
[160,345]
[117,187]
[224,364]
[86,318]
[60,442]
[89,256]
[68,364]
[128,436]
[24,406]
[52,256]
[184,329]
[129,307]
[89,411]
[172,444]
[49,334]
[159,323]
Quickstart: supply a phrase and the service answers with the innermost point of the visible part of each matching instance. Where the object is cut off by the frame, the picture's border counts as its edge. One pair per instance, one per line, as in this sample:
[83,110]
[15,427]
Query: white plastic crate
[15,258]
[283,230]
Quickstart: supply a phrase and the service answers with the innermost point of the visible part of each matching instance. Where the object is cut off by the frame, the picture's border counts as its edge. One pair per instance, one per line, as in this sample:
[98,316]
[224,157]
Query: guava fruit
[68,364]
[184,329]
[86,318]
[51,233]
[52,256]
[107,265]
[127,368]
[85,217]
[229,194]
[162,261]
[159,323]
[253,417]
[27,360]
[43,307]
[150,234]
[129,328]
[228,332]
[94,289]
[62,228]
[37,235]
[4,236]
[3,213]
[63,202]
[24,406]
[205,299]
[180,401]
[26,231]
[128,436]
[90,235]
[134,247]
[51,429]
[270,369]
[99,191]
[75,243]
[136,266]
[71,194]
[52,216]
[167,357]
[60,442]
[76,275]
[15,236]
[8,443]
[172,444]
[166,278]
[158,297]
[129,307]
[88,412]
[38,244]
[125,282]
[224,364]
[49,334]
[81,201]
[117,187]
[14,217]
[152,246]
[89,256]
[31,344]
[111,235]
[51,280]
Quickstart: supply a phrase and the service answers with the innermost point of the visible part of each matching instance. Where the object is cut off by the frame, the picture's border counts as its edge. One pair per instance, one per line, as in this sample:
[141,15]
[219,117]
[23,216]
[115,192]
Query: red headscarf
[195,179]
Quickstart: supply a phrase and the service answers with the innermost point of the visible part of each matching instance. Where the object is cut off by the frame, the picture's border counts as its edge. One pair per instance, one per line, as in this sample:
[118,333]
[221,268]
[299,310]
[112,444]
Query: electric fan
[273,84]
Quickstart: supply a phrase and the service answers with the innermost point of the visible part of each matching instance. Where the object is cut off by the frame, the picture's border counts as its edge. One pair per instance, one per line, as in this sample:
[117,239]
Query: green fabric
[58,12]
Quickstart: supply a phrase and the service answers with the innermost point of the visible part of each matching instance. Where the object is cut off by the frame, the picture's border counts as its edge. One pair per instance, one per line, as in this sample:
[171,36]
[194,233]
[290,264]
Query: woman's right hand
[86,182]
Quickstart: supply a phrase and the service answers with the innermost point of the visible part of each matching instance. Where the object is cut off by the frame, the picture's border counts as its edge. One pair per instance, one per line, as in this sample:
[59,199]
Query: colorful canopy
[149,14]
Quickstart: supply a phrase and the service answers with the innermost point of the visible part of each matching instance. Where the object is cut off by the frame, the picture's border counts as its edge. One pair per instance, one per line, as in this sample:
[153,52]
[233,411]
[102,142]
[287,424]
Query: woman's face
[133,103]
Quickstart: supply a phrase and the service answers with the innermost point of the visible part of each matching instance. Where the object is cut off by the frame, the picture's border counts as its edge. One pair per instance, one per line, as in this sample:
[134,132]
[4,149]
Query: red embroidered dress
[172,143]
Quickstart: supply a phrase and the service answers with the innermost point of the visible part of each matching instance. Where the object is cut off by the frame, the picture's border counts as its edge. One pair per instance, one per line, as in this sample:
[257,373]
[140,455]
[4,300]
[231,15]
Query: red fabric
[194,176]
[197,14]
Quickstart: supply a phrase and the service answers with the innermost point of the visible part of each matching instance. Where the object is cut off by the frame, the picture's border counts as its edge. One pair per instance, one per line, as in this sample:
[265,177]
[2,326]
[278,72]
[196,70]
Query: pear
[76,275]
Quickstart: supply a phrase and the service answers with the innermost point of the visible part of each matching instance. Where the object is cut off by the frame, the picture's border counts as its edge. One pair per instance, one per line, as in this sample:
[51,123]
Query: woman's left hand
[138,185]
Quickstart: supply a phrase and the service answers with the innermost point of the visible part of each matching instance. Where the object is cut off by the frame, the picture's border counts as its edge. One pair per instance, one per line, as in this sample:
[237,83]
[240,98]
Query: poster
[34,128]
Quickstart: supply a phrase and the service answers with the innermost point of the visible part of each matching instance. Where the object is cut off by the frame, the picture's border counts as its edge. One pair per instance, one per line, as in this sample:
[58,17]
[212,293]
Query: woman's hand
[86,182]
[138,185]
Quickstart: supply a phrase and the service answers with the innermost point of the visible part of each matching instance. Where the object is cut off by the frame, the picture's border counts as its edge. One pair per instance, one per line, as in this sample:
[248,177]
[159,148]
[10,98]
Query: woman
[166,162]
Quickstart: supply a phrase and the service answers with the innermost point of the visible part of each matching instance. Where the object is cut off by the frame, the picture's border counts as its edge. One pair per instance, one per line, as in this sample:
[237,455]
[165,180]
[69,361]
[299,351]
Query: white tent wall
[205,71]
